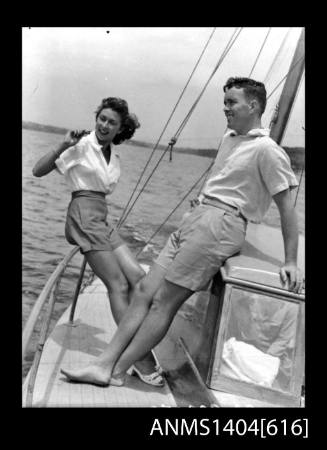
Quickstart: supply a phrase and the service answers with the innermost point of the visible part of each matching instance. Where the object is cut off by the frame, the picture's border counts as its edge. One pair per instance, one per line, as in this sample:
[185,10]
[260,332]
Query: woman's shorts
[86,223]
[198,248]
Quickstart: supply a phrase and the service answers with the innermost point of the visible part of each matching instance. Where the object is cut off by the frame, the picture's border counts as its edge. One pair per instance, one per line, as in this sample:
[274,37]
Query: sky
[67,71]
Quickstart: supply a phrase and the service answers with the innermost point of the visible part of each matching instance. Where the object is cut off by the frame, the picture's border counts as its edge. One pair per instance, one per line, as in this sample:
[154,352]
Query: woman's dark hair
[129,121]
[252,89]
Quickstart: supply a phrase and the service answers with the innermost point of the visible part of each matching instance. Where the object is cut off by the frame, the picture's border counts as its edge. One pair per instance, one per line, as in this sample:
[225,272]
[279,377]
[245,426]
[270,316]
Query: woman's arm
[46,164]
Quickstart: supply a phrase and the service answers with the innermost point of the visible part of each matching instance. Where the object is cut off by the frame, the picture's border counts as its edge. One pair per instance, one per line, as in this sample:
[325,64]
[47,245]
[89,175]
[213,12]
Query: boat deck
[76,346]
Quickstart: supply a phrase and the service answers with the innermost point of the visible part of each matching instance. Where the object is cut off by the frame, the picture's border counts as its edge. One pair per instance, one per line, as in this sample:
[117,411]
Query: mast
[289,92]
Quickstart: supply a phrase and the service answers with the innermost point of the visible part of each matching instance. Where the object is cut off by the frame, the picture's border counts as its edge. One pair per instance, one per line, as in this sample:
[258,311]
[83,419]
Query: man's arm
[289,271]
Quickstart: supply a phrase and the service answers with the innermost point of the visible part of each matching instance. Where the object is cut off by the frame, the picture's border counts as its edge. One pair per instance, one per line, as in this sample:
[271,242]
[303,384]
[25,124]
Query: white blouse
[85,167]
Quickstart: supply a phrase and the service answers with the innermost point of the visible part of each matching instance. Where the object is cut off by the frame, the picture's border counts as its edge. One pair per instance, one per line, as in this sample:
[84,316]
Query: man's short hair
[252,89]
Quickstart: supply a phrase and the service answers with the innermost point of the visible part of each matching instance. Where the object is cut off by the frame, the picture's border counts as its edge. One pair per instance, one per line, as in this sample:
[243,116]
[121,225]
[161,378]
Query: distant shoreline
[296,154]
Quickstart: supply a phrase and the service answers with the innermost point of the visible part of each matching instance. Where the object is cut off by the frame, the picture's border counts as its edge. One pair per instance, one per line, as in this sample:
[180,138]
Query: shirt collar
[253,132]
[93,139]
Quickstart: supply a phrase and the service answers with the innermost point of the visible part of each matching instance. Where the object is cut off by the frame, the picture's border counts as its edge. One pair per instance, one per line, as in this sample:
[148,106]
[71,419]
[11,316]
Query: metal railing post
[50,289]
[78,287]
[29,326]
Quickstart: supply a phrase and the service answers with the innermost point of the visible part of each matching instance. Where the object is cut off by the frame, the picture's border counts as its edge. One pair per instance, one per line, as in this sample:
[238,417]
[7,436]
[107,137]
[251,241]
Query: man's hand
[289,273]
[292,275]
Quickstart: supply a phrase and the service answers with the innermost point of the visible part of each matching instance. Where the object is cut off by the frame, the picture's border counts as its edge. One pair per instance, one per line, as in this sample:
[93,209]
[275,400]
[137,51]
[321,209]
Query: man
[250,170]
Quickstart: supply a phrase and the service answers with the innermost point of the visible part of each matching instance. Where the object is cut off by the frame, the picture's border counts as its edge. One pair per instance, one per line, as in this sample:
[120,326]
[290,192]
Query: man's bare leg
[99,372]
[134,273]
[167,300]
[147,334]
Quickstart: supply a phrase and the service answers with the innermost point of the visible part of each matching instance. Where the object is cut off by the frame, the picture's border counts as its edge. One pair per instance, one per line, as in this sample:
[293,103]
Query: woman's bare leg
[134,273]
[105,265]
[128,264]
[136,312]
[100,371]
[167,300]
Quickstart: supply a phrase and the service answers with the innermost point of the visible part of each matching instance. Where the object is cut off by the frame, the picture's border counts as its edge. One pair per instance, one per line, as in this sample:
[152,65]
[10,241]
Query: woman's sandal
[154,379]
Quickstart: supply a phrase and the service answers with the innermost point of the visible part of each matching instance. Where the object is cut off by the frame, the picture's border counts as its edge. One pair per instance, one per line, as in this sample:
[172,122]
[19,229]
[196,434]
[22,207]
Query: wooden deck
[75,346]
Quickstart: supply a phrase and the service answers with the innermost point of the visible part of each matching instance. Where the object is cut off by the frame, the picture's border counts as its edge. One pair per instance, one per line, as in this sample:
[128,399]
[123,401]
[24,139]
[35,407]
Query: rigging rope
[283,79]
[265,81]
[164,129]
[206,172]
[172,212]
[253,67]
[269,72]
[263,44]
[228,47]
[276,112]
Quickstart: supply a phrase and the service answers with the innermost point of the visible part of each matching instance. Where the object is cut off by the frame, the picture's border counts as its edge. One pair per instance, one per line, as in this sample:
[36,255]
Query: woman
[91,168]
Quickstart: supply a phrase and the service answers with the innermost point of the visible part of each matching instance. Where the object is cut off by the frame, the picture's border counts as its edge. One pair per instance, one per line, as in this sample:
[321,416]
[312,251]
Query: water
[45,202]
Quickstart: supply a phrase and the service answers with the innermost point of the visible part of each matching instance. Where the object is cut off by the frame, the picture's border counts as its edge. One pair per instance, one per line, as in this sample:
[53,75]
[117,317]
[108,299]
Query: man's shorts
[198,248]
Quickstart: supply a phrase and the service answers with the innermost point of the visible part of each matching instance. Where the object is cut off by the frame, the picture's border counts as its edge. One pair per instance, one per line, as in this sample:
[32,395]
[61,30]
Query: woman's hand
[47,163]
[72,137]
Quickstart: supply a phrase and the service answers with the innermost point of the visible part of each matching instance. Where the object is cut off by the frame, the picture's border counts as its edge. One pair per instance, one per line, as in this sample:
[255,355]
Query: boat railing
[49,293]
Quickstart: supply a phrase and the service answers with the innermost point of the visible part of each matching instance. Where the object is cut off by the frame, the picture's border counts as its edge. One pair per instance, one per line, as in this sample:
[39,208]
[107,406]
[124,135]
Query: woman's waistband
[86,193]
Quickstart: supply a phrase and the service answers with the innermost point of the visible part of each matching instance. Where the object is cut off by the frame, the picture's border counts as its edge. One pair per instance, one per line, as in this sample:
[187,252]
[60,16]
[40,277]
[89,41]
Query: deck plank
[75,346]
